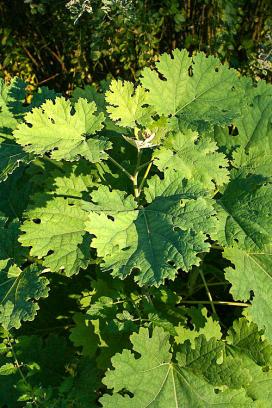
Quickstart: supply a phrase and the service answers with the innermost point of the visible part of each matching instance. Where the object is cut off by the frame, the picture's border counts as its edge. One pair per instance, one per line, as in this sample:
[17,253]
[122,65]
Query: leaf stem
[199,287]
[142,166]
[145,176]
[120,167]
[215,302]
[207,290]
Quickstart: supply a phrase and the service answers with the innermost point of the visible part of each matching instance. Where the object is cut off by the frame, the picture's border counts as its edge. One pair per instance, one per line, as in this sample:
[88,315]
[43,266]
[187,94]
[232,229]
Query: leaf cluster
[135,230]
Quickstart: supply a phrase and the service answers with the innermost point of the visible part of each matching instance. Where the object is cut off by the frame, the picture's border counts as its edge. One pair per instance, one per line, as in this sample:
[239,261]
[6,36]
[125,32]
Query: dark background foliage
[48,43]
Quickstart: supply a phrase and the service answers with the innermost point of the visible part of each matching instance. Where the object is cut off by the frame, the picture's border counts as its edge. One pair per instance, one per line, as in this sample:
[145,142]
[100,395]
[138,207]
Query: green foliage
[147,212]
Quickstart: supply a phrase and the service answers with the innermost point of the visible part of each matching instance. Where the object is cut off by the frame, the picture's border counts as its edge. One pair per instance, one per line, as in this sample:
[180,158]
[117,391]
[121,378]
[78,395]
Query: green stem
[145,176]
[142,166]
[199,287]
[120,167]
[215,302]
[207,290]
[18,366]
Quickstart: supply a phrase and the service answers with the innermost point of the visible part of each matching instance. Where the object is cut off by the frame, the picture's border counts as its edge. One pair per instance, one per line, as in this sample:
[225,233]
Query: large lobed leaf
[156,240]
[198,90]
[155,380]
[245,220]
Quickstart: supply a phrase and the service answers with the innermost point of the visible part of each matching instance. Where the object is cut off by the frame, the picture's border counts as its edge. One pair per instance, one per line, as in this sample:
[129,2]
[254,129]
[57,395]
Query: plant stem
[207,290]
[18,366]
[142,166]
[120,167]
[145,176]
[215,302]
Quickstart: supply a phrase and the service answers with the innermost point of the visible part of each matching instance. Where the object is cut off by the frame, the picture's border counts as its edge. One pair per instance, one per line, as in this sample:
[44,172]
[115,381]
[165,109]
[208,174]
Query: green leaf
[252,272]
[254,137]
[63,132]
[155,380]
[246,341]
[40,96]
[127,107]
[245,213]
[254,126]
[19,291]
[82,335]
[71,180]
[11,252]
[194,158]
[207,358]
[90,93]
[11,156]
[18,184]
[158,239]
[200,356]
[245,338]
[207,93]
[79,390]
[255,161]
[12,96]
[8,98]
[55,231]
[7,369]
[211,328]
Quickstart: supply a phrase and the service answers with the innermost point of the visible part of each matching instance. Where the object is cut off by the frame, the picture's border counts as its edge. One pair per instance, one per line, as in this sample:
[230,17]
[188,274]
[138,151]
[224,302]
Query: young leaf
[127,107]
[194,157]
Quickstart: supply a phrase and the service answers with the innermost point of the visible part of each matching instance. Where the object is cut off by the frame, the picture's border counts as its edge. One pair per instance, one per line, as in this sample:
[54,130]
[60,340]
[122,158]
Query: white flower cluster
[79,7]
